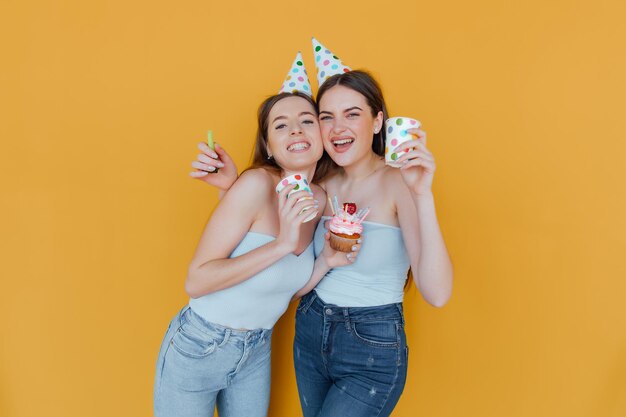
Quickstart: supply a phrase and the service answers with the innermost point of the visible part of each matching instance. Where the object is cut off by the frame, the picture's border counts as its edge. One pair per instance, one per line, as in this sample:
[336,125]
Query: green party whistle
[210,140]
[212,146]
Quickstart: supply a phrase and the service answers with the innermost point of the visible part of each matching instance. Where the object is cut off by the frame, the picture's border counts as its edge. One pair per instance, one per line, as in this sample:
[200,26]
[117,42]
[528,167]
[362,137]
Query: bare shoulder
[252,186]
[390,173]
[395,189]
[392,179]
[258,179]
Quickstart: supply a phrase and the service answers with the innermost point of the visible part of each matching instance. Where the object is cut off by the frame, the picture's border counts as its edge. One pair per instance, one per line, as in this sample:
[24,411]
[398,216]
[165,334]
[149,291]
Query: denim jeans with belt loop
[203,365]
[350,361]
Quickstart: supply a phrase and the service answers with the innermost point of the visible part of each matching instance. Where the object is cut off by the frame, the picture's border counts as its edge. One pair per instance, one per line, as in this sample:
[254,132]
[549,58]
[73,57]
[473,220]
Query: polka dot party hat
[327,64]
[297,79]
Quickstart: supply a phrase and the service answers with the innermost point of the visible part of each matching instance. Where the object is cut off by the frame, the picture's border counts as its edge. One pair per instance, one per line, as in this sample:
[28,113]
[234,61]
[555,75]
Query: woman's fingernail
[354,247]
[358,241]
[219,164]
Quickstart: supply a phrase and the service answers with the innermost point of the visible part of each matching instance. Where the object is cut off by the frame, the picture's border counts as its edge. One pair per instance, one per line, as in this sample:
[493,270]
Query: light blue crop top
[258,302]
[377,276]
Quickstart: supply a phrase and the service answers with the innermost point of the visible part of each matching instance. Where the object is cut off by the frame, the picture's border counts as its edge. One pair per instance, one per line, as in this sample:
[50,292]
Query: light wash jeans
[203,364]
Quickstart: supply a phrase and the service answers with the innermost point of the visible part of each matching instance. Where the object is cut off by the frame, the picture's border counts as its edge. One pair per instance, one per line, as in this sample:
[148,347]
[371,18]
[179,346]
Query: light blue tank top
[377,276]
[258,302]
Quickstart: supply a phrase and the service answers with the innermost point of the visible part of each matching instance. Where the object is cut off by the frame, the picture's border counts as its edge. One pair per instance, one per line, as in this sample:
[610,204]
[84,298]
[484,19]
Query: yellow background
[102,104]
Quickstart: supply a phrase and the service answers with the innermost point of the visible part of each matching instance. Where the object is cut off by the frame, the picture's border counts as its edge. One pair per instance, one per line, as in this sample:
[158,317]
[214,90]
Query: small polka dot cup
[301,184]
[396,129]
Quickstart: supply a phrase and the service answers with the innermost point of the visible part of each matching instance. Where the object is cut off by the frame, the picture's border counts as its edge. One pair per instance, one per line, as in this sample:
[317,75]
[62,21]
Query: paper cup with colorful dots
[301,184]
[397,134]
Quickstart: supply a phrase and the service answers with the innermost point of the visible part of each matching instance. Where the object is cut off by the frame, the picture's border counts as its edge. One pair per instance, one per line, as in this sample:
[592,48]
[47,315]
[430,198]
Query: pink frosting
[344,223]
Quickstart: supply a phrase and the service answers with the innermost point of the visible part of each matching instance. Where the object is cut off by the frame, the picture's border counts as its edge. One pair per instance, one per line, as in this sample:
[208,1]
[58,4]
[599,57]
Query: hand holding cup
[301,183]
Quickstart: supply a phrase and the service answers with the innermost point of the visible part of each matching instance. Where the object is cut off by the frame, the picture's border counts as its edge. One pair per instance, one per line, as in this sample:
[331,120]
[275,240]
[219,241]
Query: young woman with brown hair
[254,255]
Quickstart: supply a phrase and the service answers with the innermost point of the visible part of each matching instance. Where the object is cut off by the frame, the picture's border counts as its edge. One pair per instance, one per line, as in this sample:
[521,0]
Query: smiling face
[293,134]
[347,125]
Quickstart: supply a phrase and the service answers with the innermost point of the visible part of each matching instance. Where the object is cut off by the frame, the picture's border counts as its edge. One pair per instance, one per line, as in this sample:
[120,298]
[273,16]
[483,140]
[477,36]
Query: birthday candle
[364,215]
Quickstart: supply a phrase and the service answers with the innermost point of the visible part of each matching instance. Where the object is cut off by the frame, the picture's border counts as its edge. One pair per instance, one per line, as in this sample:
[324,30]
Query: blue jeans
[350,361]
[203,364]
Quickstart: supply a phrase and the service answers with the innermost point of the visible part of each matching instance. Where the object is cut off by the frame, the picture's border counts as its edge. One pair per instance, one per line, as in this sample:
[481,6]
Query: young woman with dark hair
[350,346]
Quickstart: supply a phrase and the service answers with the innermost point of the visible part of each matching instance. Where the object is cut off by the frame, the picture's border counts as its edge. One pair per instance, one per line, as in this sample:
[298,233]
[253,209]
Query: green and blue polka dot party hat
[297,78]
[327,64]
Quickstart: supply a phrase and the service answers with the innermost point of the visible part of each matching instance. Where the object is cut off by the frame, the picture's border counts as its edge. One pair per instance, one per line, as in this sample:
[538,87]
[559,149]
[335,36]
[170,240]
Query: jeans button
[329,311]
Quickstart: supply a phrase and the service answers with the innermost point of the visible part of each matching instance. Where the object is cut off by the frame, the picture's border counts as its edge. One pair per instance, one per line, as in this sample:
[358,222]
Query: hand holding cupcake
[345,226]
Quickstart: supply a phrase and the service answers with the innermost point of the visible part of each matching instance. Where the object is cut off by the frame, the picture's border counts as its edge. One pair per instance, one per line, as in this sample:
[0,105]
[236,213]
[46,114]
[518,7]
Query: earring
[270,157]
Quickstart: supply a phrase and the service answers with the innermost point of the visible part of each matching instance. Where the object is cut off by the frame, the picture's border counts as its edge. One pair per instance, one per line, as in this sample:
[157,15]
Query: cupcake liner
[342,244]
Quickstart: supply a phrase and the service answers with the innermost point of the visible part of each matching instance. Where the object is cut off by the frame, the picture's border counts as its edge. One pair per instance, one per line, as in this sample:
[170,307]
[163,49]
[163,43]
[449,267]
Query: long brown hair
[361,82]
[260,157]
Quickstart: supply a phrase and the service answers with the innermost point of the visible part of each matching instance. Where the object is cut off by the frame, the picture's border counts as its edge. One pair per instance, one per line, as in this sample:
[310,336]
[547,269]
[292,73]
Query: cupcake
[345,226]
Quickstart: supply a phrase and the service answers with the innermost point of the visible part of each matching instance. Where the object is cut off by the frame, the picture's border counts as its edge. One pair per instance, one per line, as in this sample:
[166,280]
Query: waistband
[333,312]
[214,329]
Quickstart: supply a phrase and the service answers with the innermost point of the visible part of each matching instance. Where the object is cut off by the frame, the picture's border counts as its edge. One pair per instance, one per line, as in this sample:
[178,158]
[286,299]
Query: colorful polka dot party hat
[327,64]
[297,79]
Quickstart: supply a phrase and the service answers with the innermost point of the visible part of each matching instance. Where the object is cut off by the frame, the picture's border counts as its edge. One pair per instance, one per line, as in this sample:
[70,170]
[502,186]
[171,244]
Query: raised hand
[209,161]
[292,211]
[418,167]
[335,258]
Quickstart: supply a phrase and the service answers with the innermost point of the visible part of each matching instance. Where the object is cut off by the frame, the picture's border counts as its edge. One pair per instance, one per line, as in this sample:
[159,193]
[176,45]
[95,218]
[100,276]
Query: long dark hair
[260,156]
[361,82]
